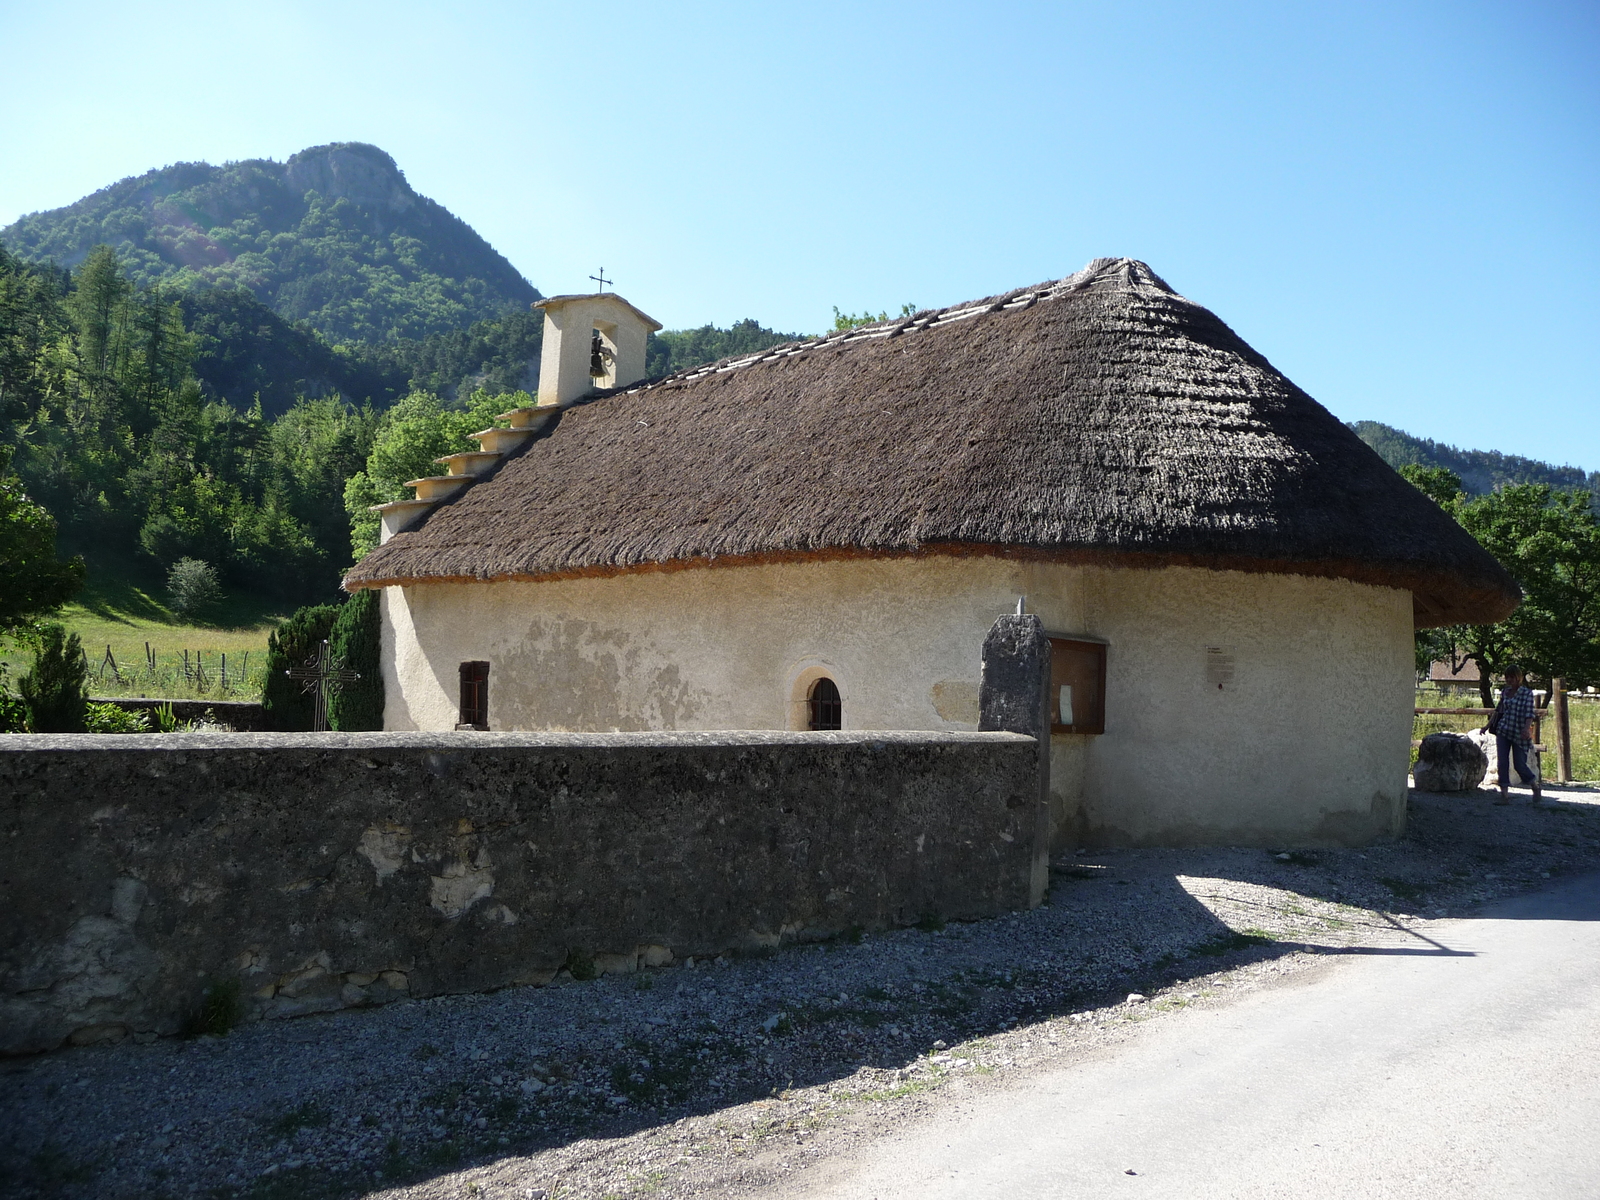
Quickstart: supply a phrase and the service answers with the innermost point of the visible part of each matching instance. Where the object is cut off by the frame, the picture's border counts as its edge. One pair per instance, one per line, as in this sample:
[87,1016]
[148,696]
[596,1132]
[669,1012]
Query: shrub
[285,703]
[113,718]
[219,1011]
[193,585]
[56,690]
[13,712]
[355,641]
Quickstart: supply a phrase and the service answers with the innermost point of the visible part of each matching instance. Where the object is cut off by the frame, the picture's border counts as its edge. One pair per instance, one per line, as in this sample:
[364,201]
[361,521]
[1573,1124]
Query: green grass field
[114,612]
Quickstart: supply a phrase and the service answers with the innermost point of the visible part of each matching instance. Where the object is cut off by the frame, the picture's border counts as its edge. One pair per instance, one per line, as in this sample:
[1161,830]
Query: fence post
[1014,697]
[1558,710]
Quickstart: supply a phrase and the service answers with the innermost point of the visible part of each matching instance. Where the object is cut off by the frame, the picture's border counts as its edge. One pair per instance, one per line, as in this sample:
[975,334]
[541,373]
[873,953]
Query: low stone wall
[319,871]
[239,715]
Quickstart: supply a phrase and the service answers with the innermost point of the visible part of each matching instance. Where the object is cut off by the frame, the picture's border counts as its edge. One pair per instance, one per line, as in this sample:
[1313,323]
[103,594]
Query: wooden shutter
[474,695]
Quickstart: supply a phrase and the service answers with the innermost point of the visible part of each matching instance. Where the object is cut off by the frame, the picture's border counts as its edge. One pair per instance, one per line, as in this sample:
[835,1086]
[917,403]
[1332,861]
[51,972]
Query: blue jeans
[1517,753]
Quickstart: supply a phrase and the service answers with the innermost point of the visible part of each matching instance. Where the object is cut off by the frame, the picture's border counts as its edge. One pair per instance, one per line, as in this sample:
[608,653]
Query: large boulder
[1484,740]
[1448,762]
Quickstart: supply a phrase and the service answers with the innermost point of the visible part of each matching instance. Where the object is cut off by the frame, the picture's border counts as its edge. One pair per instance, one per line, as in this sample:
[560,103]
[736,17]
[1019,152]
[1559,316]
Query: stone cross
[322,675]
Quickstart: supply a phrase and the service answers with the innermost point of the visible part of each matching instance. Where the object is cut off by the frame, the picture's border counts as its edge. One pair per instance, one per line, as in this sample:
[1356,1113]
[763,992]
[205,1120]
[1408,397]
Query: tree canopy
[33,580]
[679,349]
[112,433]
[1477,471]
[417,430]
[1549,540]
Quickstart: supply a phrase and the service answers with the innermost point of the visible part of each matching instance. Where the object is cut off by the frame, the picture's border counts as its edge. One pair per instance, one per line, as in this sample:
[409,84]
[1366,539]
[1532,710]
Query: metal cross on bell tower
[322,675]
[601,280]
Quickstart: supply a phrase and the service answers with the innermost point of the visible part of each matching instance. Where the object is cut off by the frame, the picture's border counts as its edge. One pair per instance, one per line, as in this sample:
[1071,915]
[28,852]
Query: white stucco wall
[1306,742]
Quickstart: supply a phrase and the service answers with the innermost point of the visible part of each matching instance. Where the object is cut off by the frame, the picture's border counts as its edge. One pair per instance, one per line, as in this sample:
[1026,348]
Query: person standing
[1512,726]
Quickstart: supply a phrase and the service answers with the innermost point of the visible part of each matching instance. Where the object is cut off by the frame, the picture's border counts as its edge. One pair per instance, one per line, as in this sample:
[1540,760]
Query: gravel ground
[723,1077]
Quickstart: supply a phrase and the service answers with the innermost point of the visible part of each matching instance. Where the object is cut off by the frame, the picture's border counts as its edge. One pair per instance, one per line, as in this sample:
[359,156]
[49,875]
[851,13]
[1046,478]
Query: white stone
[461,886]
[127,899]
[385,848]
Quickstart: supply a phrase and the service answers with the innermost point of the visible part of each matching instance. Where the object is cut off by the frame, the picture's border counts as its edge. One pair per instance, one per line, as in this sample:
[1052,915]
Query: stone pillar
[1014,697]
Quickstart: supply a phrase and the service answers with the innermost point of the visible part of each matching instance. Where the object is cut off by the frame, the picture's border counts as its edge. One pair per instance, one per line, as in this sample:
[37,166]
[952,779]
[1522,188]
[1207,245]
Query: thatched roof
[1101,418]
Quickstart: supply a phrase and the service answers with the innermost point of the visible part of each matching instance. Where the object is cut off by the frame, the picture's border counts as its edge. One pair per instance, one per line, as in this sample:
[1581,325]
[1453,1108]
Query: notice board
[1077,685]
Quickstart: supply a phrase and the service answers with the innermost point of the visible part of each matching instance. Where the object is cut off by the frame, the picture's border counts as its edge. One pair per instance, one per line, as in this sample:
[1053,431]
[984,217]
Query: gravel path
[723,1077]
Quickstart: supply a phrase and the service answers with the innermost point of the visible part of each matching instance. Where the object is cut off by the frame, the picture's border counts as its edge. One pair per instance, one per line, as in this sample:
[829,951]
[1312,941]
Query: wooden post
[1558,710]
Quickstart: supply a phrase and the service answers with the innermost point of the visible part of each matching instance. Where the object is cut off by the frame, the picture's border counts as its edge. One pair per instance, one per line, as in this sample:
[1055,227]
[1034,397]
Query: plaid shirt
[1516,712]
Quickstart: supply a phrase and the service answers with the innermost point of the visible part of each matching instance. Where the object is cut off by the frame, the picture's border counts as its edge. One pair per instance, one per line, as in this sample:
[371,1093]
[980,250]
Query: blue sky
[1399,204]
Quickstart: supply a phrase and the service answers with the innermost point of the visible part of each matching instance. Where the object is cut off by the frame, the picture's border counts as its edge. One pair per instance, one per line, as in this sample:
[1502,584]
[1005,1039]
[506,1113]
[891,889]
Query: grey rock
[1448,762]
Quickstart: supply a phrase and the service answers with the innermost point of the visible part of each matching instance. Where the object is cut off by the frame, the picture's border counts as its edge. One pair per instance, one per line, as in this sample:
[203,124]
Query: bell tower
[590,343]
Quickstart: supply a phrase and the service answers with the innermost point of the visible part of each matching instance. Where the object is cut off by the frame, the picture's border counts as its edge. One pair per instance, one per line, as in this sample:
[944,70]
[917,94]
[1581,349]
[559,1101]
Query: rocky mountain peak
[352,171]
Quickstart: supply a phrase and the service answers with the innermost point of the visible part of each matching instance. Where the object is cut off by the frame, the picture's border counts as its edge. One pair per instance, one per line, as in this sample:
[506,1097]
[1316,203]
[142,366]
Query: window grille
[827,710]
[474,696]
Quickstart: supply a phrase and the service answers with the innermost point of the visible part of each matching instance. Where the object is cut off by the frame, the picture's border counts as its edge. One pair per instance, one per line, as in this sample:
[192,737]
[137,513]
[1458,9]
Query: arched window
[827,711]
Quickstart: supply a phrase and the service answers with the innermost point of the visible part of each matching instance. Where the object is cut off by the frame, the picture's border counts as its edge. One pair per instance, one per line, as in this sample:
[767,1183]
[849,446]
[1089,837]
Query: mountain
[1481,471]
[334,237]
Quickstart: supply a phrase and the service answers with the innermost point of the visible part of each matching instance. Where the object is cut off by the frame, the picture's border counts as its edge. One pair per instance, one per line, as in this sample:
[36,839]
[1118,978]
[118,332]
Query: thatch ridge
[1101,417]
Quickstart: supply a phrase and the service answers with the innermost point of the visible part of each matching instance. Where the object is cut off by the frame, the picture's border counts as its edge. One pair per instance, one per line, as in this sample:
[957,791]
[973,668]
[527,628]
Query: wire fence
[179,674]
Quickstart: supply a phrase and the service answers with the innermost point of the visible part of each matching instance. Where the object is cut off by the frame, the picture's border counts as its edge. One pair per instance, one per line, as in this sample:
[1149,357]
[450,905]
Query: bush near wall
[355,641]
[287,706]
[56,691]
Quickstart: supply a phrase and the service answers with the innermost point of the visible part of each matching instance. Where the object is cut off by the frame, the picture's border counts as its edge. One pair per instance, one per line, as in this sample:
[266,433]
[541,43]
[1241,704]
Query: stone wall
[238,715]
[319,871]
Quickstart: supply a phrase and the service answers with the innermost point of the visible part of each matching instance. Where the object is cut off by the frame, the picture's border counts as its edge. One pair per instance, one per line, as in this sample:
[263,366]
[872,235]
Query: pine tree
[99,309]
[56,690]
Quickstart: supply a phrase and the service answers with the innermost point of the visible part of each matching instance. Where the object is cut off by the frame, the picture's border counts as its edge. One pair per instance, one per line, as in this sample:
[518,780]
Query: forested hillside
[245,352]
[334,237]
[1480,471]
[115,436]
[157,424]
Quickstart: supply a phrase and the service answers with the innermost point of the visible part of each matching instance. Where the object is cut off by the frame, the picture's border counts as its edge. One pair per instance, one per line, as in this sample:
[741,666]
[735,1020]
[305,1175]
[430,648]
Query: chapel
[820,535]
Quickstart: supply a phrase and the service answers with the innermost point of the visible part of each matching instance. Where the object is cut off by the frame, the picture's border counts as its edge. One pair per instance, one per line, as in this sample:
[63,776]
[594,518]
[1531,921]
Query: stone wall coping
[467,740]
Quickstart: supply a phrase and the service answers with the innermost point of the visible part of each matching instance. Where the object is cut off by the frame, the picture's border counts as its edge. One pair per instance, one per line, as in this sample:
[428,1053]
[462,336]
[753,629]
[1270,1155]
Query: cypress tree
[56,690]
[355,640]
[288,706]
